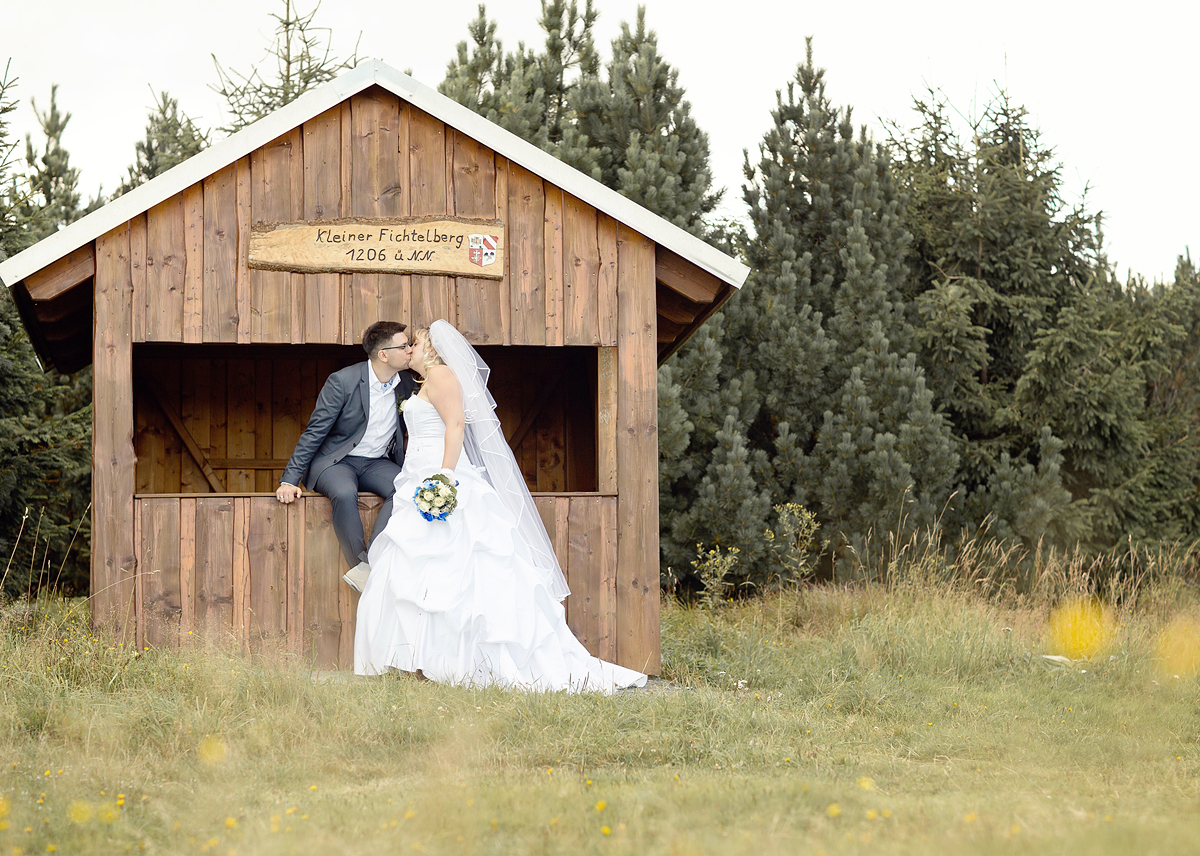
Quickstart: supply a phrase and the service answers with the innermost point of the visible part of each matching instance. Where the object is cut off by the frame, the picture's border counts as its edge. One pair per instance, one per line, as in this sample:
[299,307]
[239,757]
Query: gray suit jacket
[339,421]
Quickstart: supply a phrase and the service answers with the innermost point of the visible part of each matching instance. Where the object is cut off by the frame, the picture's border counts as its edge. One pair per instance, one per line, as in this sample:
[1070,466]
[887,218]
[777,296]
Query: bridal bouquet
[436,497]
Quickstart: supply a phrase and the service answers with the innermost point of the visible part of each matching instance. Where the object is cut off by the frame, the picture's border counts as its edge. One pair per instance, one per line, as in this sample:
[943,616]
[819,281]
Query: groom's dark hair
[380,335]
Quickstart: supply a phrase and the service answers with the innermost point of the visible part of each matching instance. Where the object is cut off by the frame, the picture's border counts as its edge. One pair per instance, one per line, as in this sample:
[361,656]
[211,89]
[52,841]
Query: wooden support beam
[678,274]
[667,349]
[249,464]
[160,396]
[63,275]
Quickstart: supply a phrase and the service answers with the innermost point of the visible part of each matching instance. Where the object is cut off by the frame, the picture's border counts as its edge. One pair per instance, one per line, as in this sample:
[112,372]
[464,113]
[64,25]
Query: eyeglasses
[397,347]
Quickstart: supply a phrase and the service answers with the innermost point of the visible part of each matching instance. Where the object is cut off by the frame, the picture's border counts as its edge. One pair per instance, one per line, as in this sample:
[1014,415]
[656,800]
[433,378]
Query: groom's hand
[287,493]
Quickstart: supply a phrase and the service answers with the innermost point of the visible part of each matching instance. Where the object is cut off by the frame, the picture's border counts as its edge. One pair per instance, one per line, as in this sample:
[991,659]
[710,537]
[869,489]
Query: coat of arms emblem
[481,249]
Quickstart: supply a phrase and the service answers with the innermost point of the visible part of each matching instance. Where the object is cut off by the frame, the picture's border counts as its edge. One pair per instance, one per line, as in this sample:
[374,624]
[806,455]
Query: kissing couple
[467,591]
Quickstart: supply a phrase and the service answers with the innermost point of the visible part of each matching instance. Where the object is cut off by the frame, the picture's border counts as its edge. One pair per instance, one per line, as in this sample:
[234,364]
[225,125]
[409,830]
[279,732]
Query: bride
[476,598]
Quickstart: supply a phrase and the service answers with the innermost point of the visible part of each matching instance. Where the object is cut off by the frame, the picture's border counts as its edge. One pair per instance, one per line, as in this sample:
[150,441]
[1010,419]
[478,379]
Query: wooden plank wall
[374,156]
[574,277]
[255,406]
[248,572]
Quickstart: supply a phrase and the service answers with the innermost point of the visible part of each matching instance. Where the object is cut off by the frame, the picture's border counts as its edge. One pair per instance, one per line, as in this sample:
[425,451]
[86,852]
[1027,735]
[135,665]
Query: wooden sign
[448,246]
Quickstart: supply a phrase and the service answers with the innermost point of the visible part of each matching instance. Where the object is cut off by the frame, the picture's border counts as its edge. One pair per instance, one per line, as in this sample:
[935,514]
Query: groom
[354,441]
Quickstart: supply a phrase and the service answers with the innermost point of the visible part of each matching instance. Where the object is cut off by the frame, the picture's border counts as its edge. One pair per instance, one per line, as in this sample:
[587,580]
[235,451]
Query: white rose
[423,505]
[439,502]
[444,489]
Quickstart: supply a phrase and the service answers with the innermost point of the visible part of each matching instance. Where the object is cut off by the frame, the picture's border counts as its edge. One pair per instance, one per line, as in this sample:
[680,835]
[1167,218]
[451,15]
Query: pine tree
[526,92]
[648,146]
[171,138]
[45,419]
[632,130]
[808,367]
[303,57]
[1023,330]
[52,199]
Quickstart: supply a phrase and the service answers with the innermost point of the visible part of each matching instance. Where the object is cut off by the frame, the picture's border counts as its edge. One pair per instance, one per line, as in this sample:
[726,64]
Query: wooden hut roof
[55,275]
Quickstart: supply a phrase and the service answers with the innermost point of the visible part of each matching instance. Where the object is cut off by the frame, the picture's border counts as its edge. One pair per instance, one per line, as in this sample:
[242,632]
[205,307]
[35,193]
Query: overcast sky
[1111,87]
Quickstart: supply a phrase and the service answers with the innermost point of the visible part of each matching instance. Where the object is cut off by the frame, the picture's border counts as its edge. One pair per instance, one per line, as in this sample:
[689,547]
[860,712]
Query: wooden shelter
[207,361]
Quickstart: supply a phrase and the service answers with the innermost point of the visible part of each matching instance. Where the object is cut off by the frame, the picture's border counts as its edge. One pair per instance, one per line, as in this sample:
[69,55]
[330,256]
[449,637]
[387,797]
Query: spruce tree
[45,418]
[526,92]
[1032,349]
[639,124]
[52,198]
[171,138]
[630,128]
[803,388]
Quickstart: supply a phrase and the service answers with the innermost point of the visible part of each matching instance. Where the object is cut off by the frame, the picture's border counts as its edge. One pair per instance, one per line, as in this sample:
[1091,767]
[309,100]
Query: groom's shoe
[356,577]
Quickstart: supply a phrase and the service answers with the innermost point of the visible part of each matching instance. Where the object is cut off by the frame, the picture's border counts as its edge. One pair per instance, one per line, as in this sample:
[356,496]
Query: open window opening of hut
[215,300]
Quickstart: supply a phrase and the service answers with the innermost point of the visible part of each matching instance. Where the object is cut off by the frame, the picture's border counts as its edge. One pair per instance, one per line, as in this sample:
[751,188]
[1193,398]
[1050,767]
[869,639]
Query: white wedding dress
[461,599]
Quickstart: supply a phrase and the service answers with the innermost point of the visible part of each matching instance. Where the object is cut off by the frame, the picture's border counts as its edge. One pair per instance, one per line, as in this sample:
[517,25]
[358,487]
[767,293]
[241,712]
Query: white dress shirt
[382,419]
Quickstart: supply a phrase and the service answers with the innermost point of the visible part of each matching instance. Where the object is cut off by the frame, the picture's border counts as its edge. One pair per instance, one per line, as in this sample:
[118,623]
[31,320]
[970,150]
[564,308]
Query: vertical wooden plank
[545,509]
[264,423]
[148,441]
[637,456]
[606,420]
[295,576]
[479,300]
[166,270]
[427,183]
[138,586]
[551,460]
[241,571]
[348,335]
[554,265]
[606,280]
[193,410]
[581,273]
[193,273]
[322,154]
[187,570]
[526,452]
[296,285]
[242,258]
[287,419]
[606,573]
[167,373]
[505,285]
[114,561]
[271,201]
[214,568]
[368,511]
[160,559]
[239,438]
[376,191]
[585,535]
[527,256]
[137,269]
[268,580]
[561,540]
[220,296]
[218,415]
[579,420]
[323,563]
[398,303]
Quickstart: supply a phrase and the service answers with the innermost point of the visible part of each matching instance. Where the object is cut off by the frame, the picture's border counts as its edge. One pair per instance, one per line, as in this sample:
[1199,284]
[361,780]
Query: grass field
[914,718]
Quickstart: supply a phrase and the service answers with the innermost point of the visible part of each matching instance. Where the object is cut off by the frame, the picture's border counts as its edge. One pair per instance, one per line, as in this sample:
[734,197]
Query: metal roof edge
[317,101]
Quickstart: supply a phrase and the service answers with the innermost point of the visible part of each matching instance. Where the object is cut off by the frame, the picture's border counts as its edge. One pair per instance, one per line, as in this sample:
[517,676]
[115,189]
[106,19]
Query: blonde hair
[432,357]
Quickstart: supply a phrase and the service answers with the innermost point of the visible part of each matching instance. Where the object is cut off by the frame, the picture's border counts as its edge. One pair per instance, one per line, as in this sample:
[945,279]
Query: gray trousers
[341,482]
